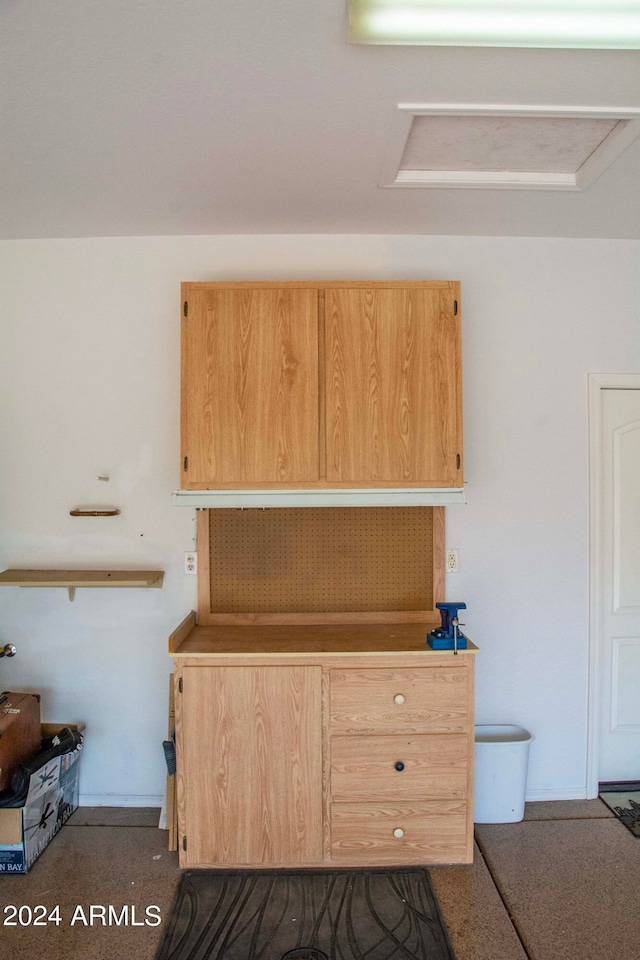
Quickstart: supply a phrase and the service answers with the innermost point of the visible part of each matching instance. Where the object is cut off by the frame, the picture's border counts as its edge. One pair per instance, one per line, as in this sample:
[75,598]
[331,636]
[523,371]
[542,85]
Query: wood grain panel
[363,768]
[249,385]
[326,769]
[171,807]
[82,578]
[332,645]
[438,556]
[252,764]
[182,632]
[323,284]
[433,832]
[183,752]
[471,668]
[435,700]
[393,386]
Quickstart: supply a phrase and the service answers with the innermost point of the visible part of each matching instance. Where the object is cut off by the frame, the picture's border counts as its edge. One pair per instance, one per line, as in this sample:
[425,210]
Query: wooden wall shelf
[81,578]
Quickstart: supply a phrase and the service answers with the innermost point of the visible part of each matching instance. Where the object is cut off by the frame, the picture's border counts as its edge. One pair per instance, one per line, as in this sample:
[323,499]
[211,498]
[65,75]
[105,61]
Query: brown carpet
[570,886]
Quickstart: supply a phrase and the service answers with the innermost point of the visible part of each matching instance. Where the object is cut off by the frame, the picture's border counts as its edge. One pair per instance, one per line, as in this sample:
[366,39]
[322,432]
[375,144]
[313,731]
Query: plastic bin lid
[501,733]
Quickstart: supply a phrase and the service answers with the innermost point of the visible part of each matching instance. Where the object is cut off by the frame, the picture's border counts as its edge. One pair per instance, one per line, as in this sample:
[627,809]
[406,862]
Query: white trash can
[501,764]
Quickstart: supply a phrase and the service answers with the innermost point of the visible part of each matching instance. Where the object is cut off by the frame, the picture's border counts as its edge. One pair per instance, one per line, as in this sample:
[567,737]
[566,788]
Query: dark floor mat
[306,915]
[624,800]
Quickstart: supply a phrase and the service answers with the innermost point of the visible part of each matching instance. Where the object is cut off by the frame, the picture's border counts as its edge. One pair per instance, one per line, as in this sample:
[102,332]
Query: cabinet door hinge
[185,464]
[180,685]
[184,843]
[185,308]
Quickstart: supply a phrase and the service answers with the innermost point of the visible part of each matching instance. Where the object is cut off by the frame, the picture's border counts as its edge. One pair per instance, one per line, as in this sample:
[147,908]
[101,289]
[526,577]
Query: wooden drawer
[364,768]
[423,700]
[431,832]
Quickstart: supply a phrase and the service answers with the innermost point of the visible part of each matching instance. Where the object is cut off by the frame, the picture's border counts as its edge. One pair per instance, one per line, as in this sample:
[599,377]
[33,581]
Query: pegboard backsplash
[318,561]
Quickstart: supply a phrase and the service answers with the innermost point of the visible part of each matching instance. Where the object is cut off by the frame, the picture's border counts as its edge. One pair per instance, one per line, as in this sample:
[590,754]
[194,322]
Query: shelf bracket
[72,592]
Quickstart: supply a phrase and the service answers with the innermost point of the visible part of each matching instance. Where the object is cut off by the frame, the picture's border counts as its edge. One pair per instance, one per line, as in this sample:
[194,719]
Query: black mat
[624,800]
[307,915]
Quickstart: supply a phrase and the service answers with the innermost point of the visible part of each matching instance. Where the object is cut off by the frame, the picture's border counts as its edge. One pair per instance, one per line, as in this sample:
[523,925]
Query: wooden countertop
[191,640]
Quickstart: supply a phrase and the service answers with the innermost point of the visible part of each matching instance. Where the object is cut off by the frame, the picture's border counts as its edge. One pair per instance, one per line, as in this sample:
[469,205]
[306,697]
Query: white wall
[89,385]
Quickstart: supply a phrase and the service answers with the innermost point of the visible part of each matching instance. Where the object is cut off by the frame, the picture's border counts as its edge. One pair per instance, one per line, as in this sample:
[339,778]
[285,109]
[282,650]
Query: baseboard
[156,800]
[619,786]
[557,793]
[120,800]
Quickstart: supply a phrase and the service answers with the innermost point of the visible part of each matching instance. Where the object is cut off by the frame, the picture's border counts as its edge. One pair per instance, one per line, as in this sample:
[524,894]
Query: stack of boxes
[19,732]
[28,824]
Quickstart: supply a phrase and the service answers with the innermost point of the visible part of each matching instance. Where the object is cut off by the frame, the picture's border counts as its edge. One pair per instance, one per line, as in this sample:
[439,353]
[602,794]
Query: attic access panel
[539,148]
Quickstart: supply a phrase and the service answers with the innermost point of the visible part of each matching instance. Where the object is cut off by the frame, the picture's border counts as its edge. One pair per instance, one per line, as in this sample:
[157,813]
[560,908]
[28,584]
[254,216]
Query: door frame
[597,383]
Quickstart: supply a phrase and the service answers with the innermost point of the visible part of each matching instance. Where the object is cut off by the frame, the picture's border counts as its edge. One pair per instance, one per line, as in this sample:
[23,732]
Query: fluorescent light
[596,24]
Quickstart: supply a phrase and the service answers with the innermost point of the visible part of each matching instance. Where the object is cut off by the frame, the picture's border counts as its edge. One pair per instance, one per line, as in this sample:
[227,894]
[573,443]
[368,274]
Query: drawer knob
[399,698]
[399,766]
[398,832]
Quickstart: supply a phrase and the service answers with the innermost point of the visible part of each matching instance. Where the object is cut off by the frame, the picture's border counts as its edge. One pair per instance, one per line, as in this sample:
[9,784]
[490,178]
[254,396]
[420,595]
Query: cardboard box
[19,732]
[51,799]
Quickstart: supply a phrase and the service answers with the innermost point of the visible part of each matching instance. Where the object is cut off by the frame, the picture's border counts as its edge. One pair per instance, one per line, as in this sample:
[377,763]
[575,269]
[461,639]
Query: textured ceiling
[204,117]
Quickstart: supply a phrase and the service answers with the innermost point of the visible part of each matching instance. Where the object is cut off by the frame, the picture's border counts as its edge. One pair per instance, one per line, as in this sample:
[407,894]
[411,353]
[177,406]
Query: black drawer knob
[399,765]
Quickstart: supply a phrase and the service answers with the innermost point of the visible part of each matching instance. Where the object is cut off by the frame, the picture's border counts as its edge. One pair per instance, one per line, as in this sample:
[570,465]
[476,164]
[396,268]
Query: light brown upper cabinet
[392,360]
[249,385]
[321,385]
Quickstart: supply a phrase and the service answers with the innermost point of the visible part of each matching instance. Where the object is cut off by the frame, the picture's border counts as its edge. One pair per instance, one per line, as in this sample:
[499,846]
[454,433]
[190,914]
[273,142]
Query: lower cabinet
[317,763]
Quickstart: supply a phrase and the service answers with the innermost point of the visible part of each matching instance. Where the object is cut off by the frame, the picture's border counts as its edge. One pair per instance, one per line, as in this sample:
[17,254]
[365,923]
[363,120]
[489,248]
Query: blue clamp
[447,636]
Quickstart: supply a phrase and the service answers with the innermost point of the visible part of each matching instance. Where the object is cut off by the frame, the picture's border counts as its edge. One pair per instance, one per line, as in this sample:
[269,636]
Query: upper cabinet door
[249,386]
[393,385]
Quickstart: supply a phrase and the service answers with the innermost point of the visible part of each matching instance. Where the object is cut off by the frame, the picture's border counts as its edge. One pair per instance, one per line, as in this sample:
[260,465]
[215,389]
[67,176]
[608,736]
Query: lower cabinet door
[250,752]
[399,832]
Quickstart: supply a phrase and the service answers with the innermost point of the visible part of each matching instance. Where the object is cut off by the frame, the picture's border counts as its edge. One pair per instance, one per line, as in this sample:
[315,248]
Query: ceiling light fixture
[594,24]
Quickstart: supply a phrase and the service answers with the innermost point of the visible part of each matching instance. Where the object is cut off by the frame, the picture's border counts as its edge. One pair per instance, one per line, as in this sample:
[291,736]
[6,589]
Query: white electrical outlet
[191,562]
[451,561]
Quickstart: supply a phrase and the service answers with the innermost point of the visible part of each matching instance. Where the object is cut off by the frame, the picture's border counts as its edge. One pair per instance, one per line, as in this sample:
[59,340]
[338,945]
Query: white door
[620,586]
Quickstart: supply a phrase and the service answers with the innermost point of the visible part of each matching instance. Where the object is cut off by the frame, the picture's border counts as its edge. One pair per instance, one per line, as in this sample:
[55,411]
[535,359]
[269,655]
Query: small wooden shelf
[81,578]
